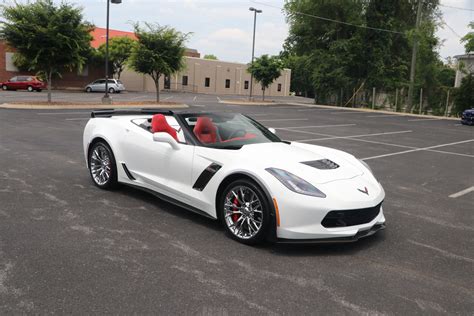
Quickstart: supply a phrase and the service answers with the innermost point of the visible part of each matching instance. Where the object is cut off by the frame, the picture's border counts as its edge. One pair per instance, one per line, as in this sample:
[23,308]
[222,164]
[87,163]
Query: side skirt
[171,200]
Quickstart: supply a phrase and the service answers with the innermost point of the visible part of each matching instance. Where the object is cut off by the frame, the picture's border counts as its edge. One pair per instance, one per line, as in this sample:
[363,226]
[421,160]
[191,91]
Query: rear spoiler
[115,112]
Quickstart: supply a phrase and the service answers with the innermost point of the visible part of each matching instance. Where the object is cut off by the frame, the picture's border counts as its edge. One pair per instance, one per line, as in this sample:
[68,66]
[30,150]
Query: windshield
[227,130]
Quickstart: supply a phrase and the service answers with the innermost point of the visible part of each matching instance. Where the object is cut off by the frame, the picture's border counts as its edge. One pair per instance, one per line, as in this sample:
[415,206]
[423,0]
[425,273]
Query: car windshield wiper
[234,147]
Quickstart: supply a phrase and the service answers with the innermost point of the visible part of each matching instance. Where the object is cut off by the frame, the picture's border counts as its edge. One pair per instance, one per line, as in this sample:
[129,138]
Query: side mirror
[166,138]
[271,129]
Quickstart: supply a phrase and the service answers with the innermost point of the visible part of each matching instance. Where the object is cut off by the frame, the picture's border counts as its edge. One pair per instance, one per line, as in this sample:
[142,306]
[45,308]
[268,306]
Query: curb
[89,106]
[337,108]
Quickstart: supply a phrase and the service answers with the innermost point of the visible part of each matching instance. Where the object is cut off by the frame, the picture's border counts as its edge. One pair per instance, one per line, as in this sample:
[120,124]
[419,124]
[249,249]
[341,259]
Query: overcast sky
[224,27]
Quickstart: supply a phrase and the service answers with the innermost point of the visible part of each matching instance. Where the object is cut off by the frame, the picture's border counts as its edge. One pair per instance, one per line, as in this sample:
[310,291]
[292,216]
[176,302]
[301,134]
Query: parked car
[30,83]
[229,167]
[467,117]
[114,86]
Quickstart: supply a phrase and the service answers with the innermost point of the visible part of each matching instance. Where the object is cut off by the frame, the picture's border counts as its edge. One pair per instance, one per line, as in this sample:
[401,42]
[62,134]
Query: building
[199,75]
[465,65]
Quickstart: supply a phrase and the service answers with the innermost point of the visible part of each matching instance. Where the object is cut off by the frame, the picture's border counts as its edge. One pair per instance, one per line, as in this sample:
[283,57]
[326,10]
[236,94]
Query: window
[279,87]
[246,84]
[14,79]
[207,82]
[185,80]
[227,83]
[9,64]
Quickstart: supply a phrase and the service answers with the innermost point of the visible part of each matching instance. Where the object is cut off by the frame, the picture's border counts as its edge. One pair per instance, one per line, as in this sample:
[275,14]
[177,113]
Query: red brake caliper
[236,216]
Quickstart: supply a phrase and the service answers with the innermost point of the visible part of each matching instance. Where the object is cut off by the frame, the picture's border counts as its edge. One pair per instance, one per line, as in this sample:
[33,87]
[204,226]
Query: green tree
[265,70]
[159,51]
[120,49]
[48,38]
[465,95]
[468,39]
[211,57]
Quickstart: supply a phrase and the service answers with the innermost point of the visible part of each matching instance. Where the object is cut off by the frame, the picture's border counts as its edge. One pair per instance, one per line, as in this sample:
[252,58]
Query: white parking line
[314,109]
[62,113]
[316,126]
[283,120]
[78,119]
[418,149]
[194,99]
[461,193]
[341,137]
[218,99]
[169,98]
[425,119]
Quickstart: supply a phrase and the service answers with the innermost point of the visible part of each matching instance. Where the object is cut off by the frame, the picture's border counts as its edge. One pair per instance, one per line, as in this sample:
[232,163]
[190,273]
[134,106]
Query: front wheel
[245,211]
[30,89]
[102,166]
[88,89]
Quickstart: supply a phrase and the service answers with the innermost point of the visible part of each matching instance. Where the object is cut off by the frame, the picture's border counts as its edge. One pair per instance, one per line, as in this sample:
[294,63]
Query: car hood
[470,111]
[315,164]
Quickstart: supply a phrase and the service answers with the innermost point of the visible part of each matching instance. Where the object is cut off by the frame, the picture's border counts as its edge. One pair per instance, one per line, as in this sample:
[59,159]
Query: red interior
[160,125]
[246,136]
[205,130]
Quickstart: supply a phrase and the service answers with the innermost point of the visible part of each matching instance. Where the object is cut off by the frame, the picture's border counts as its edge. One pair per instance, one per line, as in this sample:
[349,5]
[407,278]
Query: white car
[113,85]
[231,168]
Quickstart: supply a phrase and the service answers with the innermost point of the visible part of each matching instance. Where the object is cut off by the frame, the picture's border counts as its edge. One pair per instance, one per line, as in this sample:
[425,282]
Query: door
[99,85]
[167,85]
[157,165]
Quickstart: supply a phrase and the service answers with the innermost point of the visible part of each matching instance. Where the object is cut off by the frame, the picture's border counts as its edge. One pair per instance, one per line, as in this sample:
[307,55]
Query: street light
[255,11]
[106,99]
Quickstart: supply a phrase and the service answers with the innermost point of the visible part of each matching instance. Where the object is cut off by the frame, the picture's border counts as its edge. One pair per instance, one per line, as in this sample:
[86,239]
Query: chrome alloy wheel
[100,165]
[243,212]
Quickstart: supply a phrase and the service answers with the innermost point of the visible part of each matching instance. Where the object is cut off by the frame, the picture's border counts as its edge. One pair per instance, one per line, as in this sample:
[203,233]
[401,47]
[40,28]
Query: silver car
[114,86]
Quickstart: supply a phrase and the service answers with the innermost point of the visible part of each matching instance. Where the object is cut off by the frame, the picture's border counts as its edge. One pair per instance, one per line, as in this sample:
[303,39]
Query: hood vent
[323,164]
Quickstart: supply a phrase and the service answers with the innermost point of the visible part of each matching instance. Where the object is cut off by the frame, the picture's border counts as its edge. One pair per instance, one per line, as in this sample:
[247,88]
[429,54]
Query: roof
[99,34]
[468,55]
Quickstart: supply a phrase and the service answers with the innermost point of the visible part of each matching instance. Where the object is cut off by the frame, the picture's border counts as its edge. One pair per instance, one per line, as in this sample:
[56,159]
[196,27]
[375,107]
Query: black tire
[253,217]
[99,153]
[111,90]
[30,89]
[39,90]
[88,89]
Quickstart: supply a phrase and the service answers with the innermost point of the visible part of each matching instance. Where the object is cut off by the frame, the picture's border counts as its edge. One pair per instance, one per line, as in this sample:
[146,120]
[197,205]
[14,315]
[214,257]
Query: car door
[99,85]
[157,165]
[11,84]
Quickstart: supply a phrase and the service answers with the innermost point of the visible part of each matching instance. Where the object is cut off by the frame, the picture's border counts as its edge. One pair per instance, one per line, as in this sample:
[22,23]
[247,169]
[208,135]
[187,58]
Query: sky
[224,27]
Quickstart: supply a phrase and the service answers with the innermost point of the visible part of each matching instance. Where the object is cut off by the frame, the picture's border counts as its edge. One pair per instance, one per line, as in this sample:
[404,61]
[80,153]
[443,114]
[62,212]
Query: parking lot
[68,247]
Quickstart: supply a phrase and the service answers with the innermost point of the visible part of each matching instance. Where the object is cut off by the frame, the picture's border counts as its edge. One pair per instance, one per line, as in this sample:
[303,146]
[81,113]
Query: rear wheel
[111,90]
[245,211]
[5,88]
[102,166]
[30,89]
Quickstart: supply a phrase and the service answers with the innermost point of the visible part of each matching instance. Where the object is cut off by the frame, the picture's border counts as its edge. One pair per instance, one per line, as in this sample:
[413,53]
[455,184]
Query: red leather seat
[160,125]
[205,130]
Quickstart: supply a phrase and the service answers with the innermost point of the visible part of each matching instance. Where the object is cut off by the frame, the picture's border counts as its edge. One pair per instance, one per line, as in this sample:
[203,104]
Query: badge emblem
[365,191]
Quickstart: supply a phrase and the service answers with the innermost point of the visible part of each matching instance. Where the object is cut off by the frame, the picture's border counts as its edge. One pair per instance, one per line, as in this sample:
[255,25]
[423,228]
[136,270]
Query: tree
[465,95]
[469,39]
[48,38]
[159,51]
[265,70]
[211,57]
[120,49]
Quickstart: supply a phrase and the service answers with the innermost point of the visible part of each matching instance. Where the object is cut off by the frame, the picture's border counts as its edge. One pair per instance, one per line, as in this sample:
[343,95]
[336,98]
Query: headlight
[366,165]
[294,183]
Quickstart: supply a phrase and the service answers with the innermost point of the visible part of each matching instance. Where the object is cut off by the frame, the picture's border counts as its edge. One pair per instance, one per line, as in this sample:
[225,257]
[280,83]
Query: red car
[30,83]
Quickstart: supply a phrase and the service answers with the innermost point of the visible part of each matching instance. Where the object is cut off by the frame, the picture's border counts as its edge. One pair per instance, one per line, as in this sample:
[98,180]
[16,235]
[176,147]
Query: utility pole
[255,11]
[413,56]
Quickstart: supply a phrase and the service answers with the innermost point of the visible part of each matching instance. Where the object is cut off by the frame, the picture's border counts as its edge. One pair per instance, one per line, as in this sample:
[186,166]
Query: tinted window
[21,78]
[207,82]
[13,79]
[227,83]
[185,80]
[246,84]
[279,87]
[110,81]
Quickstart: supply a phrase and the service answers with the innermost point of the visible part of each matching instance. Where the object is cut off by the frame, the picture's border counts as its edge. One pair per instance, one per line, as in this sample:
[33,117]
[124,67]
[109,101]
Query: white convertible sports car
[231,168]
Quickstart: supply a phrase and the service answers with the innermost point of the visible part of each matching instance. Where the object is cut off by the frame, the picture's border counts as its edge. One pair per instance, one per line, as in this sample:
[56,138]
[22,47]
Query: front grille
[351,217]
[323,164]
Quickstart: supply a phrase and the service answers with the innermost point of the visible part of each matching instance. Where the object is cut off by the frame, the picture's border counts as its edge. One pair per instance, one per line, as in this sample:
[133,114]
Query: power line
[330,20]
[457,8]
[451,29]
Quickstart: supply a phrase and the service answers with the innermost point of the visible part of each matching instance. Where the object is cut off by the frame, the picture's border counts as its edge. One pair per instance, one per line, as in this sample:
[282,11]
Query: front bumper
[361,234]
[467,120]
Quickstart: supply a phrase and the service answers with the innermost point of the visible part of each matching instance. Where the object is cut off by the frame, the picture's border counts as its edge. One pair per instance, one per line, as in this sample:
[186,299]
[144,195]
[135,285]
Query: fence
[435,101]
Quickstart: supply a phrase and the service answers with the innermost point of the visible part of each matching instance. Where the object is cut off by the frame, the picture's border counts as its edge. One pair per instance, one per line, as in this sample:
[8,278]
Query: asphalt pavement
[67,247]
